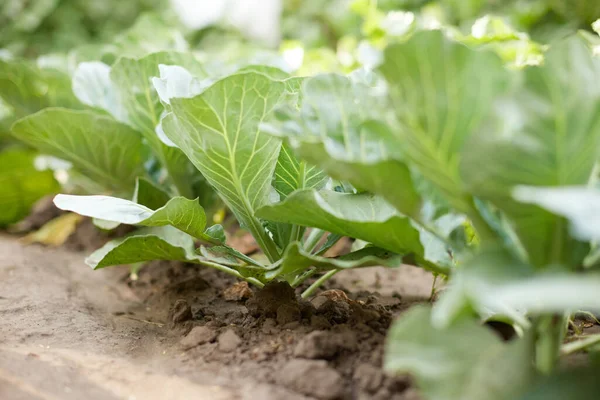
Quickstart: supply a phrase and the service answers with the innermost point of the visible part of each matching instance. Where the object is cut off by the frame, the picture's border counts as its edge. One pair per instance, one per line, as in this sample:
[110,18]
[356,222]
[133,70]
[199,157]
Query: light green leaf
[337,129]
[219,132]
[26,89]
[548,134]
[163,243]
[573,384]
[184,214]
[494,283]
[133,79]
[93,87]
[363,216]
[292,174]
[105,150]
[21,184]
[296,261]
[579,204]
[441,92]
[465,361]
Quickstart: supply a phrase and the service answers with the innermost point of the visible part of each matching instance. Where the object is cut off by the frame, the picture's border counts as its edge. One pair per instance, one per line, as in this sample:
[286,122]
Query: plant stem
[550,334]
[312,288]
[231,271]
[303,277]
[581,344]
[313,239]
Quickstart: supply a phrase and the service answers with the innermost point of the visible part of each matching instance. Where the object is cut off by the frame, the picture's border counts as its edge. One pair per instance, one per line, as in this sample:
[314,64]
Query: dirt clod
[325,345]
[229,341]
[197,336]
[312,378]
[267,300]
[287,313]
[368,378]
[179,312]
[238,292]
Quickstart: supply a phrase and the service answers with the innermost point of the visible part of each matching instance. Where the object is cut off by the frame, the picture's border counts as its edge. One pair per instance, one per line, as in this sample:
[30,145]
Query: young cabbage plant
[501,148]
[218,127]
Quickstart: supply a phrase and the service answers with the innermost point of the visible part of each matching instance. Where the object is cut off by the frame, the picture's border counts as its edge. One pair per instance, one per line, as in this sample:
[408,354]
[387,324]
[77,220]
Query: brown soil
[181,332]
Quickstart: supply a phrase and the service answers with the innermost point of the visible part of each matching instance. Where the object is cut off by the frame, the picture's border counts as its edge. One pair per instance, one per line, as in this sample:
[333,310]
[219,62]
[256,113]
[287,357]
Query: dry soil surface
[181,332]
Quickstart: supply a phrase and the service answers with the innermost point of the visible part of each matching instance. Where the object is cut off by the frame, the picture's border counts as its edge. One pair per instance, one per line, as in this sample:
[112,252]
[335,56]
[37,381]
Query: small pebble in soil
[238,292]
[325,345]
[229,341]
[197,336]
[312,378]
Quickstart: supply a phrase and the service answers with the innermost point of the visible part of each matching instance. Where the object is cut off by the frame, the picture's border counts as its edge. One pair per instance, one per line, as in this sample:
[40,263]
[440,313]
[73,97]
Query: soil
[181,332]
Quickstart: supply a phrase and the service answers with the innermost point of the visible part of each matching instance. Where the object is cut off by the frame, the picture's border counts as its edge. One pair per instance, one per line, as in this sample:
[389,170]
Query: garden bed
[69,332]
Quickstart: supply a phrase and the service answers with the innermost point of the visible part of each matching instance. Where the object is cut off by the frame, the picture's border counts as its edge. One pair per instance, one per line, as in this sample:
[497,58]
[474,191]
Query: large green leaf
[364,216]
[573,384]
[184,214]
[27,88]
[548,134]
[337,129]
[496,284]
[21,184]
[579,204]
[219,132]
[465,361]
[441,92]
[107,151]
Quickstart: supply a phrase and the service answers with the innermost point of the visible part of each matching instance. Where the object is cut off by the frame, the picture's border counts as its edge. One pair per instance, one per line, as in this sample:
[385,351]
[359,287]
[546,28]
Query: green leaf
[494,283]
[22,184]
[296,261]
[336,128]
[132,78]
[184,214]
[548,134]
[579,204]
[105,150]
[465,361]
[28,89]
[163,243]
[363,216]
[573,384]
[441,91]
[93,87]
[219,132]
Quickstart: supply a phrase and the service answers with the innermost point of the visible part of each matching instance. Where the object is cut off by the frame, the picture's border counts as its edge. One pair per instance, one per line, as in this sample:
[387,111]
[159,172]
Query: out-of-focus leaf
[494,283]
[21,184]
[441,92]
[218,131]
[579,204]
[56,231]
[26,88]
[548,134]
[465,361]
[573,384]
[337,129]
[93,87]
[105,150]
[184,214]
[364,216]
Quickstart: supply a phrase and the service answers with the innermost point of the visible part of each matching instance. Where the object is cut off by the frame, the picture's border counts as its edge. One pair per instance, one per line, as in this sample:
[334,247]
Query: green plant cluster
[472,155]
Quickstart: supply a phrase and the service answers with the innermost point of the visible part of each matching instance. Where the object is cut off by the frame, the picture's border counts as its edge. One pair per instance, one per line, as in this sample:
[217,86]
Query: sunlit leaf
[218,131]
[547,134]
[105,150]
